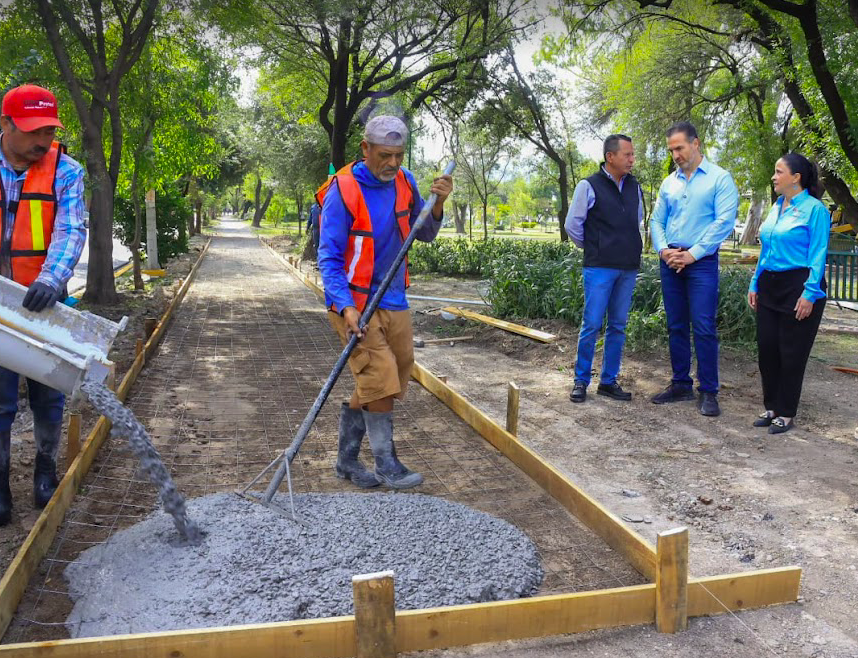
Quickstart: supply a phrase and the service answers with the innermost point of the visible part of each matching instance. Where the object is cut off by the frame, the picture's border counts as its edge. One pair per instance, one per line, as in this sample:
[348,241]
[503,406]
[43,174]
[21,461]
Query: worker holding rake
[368,209]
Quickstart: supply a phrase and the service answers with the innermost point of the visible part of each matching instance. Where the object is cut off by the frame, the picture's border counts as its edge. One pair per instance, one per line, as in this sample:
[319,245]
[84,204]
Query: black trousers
[783,342]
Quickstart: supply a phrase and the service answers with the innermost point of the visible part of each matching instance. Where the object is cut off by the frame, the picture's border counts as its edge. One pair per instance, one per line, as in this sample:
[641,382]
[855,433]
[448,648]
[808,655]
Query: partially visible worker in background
[41,240]
[368,209]
[605,219]
[313,227]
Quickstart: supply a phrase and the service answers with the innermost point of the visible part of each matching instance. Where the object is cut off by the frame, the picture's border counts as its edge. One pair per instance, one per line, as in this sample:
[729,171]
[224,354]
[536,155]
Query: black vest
[611,233]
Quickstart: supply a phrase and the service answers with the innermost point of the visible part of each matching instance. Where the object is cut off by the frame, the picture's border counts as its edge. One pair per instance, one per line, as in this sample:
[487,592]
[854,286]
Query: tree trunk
[198,217]
[135,242]
[100,284]
[755,216]
[247,206]
[563,183]
[485,220]
[459,210]
[261,210]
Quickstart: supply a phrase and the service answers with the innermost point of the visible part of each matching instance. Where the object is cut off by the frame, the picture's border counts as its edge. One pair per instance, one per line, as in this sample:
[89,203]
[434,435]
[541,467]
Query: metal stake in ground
[289,454]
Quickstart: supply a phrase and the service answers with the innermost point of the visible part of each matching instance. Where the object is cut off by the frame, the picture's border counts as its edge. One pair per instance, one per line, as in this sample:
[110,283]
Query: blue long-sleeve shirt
[69,235]
[698,214]
[380,198]
[796,237]
[583,199]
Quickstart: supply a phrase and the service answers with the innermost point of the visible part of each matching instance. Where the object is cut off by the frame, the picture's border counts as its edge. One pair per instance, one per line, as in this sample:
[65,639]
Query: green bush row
[530,279]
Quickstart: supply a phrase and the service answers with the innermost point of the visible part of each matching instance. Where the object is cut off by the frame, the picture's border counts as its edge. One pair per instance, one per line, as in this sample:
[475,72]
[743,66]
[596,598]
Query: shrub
[528,224]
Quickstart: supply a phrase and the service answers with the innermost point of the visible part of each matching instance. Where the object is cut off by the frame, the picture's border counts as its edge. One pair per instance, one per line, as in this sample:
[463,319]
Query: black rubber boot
[388,469]
[349,466]
[45,474]
[5,491]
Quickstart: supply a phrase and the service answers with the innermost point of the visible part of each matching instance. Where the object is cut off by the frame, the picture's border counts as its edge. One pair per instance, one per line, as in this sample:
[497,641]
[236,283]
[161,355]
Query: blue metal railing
[842,276]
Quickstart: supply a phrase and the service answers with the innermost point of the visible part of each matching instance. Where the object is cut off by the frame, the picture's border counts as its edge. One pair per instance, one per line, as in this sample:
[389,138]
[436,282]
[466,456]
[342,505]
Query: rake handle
[321,398]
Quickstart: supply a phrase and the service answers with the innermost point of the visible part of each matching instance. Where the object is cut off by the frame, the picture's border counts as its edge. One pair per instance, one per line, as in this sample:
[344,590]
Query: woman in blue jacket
[788,288]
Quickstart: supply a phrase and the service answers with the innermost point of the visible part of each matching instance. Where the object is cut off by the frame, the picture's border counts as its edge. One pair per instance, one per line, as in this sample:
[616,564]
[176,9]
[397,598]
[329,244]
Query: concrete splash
[255,566]
[125,424]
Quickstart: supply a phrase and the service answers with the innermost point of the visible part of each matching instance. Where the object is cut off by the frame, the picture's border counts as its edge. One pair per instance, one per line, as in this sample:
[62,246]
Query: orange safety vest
[360,251]
[34,218]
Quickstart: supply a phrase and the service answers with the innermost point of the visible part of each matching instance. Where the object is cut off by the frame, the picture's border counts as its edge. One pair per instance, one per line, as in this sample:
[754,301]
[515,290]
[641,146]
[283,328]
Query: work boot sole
[684,397]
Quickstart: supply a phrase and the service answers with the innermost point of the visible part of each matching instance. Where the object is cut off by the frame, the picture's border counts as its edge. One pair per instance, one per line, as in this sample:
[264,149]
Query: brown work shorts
[381,361]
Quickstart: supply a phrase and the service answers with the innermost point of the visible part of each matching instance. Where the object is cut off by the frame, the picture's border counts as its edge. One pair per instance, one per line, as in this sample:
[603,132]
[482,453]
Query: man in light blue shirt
[605,220]
[695,212]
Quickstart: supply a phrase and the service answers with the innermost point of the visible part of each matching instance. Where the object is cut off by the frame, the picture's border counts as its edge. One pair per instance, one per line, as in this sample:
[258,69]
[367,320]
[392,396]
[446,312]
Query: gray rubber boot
[45,473]
[349,466]
[388,469]
[5,491]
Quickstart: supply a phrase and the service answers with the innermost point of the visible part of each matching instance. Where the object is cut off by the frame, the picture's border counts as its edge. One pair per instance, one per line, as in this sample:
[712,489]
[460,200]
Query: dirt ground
[750,500]
[151,302]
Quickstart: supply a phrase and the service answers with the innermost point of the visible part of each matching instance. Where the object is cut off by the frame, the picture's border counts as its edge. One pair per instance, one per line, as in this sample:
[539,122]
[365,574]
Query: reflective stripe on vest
[34,219]
[360,249]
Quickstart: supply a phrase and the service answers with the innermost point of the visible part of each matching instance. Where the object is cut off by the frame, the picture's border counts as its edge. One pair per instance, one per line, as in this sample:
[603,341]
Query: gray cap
[386,131]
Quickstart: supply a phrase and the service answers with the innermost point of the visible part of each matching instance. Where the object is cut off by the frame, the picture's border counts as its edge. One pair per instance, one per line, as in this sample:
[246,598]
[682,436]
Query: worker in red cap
[42,235]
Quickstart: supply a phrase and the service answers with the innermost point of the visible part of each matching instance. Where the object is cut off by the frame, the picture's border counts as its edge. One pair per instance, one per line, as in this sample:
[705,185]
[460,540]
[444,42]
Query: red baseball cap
[31,108]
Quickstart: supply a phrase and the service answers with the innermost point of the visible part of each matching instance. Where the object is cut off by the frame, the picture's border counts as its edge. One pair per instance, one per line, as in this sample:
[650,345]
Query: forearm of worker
[430,228]
[333,240]
[819,224]
[582,200]
[69,235]
[657,224]
[726,210]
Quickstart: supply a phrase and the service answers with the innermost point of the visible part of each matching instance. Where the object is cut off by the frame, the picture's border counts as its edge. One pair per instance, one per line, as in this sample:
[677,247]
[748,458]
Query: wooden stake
[110,380]
[671,581]
[73,447]
[375,615]
[139,346]
[512,409]
[149,325]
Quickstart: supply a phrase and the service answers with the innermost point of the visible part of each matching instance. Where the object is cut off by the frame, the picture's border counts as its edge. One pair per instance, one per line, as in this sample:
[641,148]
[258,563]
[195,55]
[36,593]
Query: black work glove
[40,296]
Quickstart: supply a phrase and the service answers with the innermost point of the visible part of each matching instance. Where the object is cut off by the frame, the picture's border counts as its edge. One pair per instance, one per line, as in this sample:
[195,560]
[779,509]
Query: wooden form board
[432,628]
[608,526]
[535,334]
[305,279]
[42,534]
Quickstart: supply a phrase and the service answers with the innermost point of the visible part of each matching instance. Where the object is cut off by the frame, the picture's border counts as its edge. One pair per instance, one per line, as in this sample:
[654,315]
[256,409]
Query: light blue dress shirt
[698,214]
[793,238]
[583,199]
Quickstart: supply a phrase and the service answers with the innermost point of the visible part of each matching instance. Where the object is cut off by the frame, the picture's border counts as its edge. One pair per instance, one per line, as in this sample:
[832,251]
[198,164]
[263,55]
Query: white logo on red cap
[38,104]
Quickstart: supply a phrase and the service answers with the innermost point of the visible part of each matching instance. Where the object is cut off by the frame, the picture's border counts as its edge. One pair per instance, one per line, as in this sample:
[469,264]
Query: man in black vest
[605,219]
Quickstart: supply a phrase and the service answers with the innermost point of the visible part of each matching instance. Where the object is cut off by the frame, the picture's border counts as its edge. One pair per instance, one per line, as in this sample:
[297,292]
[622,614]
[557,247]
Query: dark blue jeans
[691,298]
[47,403]
[606,290]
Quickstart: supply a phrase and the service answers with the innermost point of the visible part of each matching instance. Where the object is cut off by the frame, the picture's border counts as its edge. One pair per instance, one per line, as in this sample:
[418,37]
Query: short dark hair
[807,171]
[683,127]
[612,143]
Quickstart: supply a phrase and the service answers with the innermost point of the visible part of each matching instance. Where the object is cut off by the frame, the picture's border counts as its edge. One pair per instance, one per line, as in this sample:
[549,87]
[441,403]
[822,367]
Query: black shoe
[673,393]
[579,392]
[44,480]
[764,419]
[614,391]
[780,425]
[708,404]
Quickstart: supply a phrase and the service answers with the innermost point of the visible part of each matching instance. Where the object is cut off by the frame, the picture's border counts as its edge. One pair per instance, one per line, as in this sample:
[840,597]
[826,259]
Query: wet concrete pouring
[240,365]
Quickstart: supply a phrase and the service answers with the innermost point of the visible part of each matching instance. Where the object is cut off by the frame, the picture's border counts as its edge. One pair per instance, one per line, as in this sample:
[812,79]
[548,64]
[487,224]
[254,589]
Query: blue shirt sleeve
[582,200]
[658,221]
[817,251]
[333,240]
[726,211]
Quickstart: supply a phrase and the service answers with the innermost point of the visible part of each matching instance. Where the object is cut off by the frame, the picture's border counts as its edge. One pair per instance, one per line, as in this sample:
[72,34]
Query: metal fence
[842,272]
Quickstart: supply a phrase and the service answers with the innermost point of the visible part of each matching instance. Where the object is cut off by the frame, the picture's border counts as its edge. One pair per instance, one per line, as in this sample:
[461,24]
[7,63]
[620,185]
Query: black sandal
[779,425]
[764,419]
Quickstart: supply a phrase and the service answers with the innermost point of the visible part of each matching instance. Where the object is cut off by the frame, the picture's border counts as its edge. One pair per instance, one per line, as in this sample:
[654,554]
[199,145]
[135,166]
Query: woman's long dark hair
[807,171]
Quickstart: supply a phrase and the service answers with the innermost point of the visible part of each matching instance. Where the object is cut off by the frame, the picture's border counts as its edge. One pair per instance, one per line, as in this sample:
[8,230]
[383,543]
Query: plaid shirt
[69,233]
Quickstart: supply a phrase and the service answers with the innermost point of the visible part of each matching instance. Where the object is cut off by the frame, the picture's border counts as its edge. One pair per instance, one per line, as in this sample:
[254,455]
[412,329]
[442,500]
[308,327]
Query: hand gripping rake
[285,459]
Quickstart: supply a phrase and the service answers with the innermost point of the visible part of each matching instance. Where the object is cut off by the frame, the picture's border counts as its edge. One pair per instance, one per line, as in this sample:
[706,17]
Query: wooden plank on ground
[375,615]
[743,591]
[640,554]
[671,582]
[535,334]
[306,280]
[42,534]
[434,628]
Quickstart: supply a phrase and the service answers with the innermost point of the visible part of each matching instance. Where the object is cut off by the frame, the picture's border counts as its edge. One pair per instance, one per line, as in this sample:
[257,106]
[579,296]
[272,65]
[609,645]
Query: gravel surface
[256,566]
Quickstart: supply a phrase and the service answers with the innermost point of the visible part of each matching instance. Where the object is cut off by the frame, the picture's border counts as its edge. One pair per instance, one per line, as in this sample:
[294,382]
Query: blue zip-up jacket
[793,238]
[380,198]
